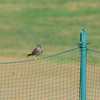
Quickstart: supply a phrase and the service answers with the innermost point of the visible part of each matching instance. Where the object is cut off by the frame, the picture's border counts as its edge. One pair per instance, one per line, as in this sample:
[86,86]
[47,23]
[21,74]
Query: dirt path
[9,59]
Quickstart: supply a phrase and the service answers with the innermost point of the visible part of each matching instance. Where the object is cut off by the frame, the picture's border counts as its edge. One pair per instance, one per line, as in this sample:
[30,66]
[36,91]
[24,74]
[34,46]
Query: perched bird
[37,51]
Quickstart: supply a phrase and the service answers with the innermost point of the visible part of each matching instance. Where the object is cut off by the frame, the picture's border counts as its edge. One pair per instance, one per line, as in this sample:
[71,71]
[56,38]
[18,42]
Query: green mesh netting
[56,77]
[93,75]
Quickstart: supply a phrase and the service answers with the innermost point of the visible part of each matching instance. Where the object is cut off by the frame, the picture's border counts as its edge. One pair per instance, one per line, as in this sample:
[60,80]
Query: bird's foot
[39,58]
[35,58]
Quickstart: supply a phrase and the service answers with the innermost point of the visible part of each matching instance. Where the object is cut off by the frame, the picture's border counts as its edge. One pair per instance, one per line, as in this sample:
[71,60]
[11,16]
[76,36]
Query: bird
[37,51]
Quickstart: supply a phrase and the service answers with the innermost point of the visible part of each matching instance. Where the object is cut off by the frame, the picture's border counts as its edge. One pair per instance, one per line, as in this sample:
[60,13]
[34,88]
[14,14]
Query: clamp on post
[83,38]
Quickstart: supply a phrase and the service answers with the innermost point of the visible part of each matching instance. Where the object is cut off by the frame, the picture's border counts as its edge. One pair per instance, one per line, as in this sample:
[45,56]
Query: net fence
[55,77]
[93,75]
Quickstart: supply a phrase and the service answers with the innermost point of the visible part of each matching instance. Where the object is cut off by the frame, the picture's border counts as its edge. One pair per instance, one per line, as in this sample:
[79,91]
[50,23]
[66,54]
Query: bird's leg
[35,58]
[39,58]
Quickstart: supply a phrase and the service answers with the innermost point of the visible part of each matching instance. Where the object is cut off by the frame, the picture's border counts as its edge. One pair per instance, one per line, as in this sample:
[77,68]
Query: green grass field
[55,24]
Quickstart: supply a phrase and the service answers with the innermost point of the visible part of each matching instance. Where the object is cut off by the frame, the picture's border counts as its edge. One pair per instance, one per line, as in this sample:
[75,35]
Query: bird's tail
[28,55]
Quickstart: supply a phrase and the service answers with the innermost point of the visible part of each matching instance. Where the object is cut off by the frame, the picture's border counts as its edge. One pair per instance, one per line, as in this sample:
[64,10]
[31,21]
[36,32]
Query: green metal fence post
[83,46]
[83,38]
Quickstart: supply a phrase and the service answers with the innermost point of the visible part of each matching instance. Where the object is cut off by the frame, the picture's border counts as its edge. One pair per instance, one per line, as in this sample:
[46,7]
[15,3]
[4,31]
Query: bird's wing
[34,51]
[42,51]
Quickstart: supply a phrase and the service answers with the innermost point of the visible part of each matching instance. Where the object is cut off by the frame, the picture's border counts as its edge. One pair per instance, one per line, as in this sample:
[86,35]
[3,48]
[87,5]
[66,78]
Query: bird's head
[38,46]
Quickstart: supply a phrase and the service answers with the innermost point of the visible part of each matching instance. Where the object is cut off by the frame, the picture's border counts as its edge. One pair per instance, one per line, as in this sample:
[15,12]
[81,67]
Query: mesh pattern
[93,75]
[56,77]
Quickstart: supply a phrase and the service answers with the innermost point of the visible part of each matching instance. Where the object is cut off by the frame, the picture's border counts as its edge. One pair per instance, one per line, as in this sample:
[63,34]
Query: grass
[55,24]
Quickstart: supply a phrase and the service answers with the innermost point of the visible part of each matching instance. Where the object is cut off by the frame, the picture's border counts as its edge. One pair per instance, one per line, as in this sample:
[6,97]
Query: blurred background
[55,24]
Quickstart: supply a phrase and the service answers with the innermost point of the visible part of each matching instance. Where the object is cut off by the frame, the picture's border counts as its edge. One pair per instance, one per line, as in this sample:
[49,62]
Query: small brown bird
[37,51]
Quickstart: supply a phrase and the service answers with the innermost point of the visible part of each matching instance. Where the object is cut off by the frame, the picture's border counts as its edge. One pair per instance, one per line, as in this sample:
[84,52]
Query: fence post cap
[83,36]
